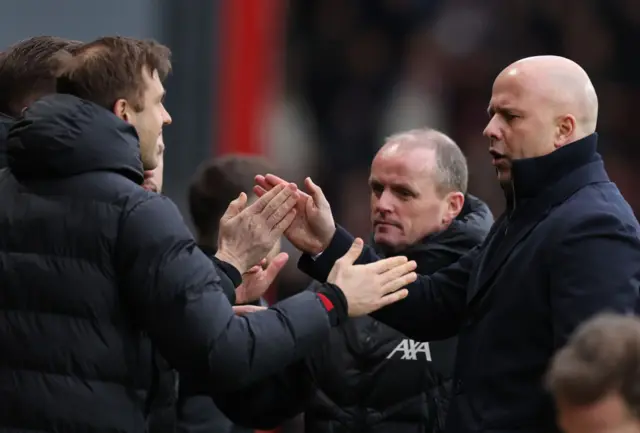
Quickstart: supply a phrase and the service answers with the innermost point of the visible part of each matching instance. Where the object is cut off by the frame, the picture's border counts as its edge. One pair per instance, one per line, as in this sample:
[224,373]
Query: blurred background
[316,85]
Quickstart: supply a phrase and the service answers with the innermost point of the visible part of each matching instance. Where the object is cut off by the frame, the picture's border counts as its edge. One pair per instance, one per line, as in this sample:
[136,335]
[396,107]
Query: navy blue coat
[567,247]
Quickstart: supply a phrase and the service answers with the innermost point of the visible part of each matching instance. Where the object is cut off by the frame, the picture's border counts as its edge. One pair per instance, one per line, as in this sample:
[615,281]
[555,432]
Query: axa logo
[410,350]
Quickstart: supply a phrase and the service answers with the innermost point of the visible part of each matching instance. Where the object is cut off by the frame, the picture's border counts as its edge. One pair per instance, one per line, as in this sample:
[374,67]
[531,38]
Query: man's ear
[565,130]
[455,202]
[121,108]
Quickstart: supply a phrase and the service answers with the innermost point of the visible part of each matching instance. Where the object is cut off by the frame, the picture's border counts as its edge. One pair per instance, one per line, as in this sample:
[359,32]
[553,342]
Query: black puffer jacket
[370,378]
[89,261]
[5,124]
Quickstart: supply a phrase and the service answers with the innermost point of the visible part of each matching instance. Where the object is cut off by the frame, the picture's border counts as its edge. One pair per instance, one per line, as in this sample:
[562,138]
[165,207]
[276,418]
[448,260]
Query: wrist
[324,243]
[335,303]
[233,261]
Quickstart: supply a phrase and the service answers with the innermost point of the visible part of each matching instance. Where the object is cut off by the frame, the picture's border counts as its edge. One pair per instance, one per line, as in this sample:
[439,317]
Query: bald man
[567,247]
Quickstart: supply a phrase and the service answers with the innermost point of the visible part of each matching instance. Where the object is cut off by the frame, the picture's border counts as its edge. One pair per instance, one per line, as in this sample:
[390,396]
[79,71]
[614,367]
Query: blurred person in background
[216,183]
[566,248]
[90,261]
[26,74]
[595,377]
[171,410]
[368,376]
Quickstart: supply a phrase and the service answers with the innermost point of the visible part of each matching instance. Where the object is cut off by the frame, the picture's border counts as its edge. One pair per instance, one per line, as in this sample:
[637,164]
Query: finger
[254,269]
[284,224]
[276,266]
[382,266]
[259,191]
[273,180]
[279,210]
[399,283]
[398,271]
[354,252]
[259,205]
[393,298]
[241,310]
[235,207]
[315,192]
[262,182]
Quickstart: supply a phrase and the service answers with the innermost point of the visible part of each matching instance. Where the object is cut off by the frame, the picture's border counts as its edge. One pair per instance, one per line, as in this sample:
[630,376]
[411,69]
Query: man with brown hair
[124,76]
[26,75]
[90,261]
[595,377]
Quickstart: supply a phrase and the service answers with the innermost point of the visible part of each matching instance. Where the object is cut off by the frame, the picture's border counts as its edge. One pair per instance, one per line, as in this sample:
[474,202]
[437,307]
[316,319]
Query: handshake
[248,233]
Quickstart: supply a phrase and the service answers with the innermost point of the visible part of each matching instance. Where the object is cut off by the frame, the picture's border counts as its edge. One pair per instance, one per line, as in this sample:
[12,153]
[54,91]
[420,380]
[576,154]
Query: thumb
[354,252]
[315,192]
[276,265]
[234,208]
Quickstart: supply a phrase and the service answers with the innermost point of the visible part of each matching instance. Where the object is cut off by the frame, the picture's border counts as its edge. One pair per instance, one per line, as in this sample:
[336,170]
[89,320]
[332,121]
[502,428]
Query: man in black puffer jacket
[369,377]
[89,260]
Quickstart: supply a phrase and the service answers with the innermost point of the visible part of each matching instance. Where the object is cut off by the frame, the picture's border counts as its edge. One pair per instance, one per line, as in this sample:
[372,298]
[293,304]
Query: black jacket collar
[61,136]
[531,176]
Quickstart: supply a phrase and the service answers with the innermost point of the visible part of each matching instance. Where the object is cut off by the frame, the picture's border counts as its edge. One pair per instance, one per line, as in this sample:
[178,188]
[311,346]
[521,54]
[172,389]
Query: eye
[404,193]
[376,188]
[509,116]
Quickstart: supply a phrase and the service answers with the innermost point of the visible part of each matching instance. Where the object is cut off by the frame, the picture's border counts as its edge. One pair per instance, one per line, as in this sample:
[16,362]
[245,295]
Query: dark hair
[218,182]
[601,357]
[26,72]
[111,68]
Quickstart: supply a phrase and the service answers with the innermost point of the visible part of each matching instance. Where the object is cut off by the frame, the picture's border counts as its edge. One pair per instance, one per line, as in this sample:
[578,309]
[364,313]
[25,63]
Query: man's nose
[491,131]
[167,117]
[385,202]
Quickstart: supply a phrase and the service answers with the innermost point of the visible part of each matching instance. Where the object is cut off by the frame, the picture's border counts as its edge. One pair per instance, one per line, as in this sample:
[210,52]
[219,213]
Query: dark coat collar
[531,176]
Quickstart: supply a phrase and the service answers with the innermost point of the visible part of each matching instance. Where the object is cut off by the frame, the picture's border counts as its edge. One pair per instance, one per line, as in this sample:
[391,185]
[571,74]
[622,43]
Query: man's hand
[257,280]
[247,234]
[313,227]
[241,310]
[372,286]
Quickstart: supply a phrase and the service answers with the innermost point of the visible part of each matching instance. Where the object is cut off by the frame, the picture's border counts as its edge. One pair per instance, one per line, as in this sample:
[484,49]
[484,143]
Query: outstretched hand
[313,227]
[248,233]
[370,287]
[257,280]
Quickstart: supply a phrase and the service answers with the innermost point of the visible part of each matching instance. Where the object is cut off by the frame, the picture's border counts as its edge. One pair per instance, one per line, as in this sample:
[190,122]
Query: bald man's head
[538,105]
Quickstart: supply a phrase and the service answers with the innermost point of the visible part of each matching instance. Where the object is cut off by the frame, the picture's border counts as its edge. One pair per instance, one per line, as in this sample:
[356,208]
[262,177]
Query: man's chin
[387,246]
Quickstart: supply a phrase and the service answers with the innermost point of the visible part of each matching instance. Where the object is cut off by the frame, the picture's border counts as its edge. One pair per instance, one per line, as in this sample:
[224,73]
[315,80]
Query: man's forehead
[153,81]
[403,166]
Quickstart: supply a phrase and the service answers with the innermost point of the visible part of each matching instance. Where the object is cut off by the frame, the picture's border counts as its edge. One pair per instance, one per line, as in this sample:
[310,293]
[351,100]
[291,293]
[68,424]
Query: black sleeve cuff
[230,270]
[334,302]
[320,268]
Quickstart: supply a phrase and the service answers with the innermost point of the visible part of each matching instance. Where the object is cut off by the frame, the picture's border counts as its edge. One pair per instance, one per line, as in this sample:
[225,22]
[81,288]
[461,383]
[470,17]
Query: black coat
[567,247]
[5,124]
[371,378]
[89,261]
